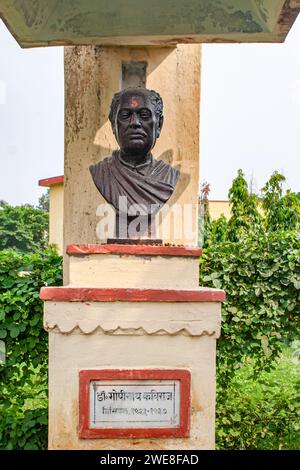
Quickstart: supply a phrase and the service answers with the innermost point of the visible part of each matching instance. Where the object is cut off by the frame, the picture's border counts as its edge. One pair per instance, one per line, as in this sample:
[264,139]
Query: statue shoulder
[98,167]
[170,173]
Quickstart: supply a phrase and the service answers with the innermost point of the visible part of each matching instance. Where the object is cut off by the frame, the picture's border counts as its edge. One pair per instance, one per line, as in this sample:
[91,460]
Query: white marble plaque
[134,404]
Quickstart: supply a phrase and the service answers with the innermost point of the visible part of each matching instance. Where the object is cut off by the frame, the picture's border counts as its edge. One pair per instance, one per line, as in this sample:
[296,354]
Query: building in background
[56,210]
[217,208]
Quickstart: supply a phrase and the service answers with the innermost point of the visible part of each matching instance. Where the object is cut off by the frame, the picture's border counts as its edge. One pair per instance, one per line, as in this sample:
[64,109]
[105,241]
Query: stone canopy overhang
[36,23]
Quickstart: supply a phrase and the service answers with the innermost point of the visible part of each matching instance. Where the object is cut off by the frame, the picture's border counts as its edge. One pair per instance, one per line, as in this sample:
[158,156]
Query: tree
[255,258]
[23,228]
[244,207]
[282,212]
[44,201]
[252,214]
[203,215]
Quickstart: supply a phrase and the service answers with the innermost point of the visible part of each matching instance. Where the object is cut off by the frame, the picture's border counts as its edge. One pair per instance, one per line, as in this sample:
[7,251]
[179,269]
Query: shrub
[261,278]
[261,412]
[255,258]
[23,379]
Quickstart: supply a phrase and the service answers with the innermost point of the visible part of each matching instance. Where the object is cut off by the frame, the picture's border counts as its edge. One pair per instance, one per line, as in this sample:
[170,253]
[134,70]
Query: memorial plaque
[134,403]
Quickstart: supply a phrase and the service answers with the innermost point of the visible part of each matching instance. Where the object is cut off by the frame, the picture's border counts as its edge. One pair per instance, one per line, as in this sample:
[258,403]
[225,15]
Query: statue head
[136,116]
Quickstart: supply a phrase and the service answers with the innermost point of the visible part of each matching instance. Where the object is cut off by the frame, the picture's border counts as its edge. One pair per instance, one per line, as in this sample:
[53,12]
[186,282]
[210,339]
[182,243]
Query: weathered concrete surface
[149,335]
[134,318]
[93,75]
[140,22]
[132,333]
[145,272]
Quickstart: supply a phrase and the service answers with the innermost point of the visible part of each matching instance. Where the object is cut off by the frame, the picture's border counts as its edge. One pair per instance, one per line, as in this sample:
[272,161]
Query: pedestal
[133,323]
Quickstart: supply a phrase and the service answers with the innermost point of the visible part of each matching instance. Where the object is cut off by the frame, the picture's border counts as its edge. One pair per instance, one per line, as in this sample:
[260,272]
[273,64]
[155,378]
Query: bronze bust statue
[136,116]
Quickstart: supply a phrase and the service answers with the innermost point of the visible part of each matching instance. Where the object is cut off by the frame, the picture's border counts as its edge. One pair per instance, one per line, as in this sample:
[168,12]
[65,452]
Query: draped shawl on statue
[114,179]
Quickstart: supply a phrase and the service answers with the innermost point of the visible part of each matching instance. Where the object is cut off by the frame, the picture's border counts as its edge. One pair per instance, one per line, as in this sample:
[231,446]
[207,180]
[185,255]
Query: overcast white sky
[250,116]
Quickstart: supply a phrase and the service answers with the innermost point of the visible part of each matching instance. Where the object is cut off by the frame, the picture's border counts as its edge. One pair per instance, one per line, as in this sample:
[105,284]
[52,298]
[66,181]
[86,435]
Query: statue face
[136,124]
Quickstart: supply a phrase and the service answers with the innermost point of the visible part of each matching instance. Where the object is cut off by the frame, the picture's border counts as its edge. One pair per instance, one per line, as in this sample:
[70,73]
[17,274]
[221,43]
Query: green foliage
[216,231]
[253,214]
[272,191]
[23,228]
[244,207]
[261,412]
[282,212]
[255,258]
[44,201]
[261,278]
[23,379]
[24,408]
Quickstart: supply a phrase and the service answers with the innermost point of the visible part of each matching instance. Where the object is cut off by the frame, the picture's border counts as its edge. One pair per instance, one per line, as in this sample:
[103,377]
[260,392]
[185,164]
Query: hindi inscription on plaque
[134,403]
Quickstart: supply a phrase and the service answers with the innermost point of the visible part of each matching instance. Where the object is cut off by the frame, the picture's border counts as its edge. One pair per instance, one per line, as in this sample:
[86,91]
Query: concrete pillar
[131,315]
[92,76]
[131,310]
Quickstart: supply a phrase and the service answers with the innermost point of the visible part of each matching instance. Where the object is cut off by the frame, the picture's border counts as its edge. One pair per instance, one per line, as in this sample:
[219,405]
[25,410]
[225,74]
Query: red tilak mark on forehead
[134,102]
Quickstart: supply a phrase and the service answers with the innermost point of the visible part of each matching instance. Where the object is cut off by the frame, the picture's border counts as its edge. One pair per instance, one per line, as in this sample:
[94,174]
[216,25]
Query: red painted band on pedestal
[93,294]
[142,250]
[86,376]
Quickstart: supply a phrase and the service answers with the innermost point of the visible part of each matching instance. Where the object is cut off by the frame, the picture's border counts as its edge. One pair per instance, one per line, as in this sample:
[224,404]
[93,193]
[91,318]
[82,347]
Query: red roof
[51,181]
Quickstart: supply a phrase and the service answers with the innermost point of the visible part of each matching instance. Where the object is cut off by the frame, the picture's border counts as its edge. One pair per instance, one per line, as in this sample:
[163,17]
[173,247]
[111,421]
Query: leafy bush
[261,412]
[255,258]
[23,379]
